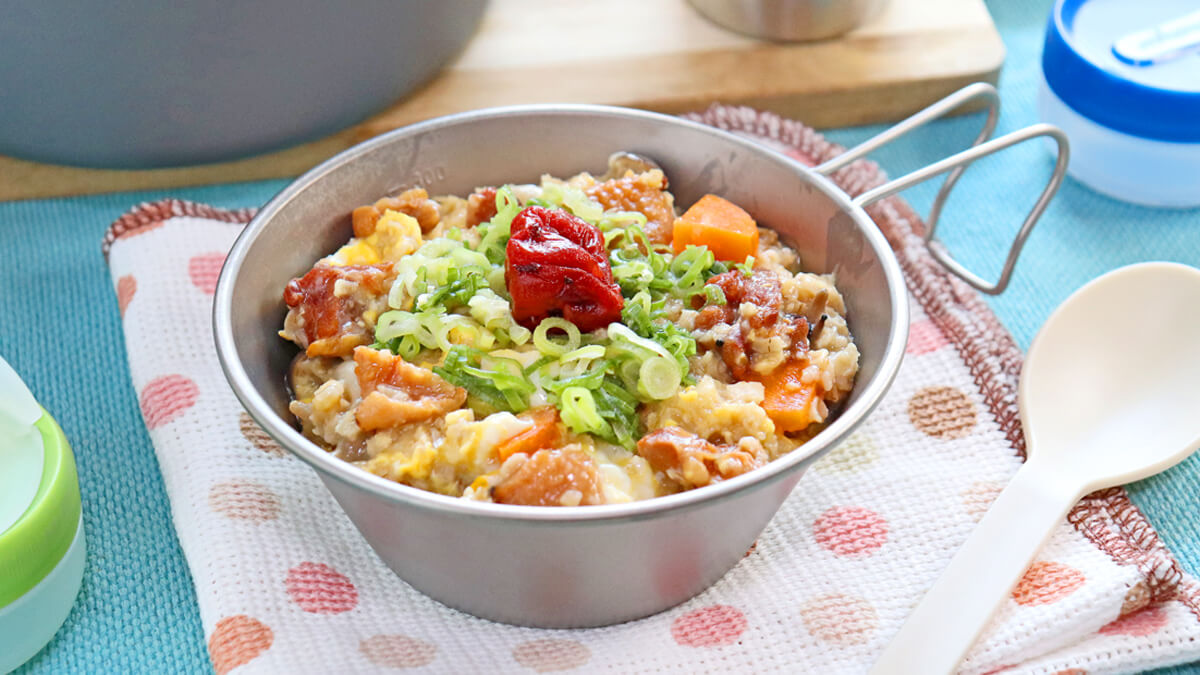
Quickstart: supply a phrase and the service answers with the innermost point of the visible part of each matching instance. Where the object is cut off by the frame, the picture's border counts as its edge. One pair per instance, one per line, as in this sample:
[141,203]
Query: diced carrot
[728,231]
[787,398]
[543,434]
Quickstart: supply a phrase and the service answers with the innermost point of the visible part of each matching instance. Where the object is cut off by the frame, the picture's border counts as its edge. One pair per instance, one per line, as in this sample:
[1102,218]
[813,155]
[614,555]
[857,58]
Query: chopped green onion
[550,347]
[438,263]
[408,347]
[464,330]
[579,411]
[659,378]
[629,372]
[501,386]
[590,379]
[633,275]
[711,294]
[537,365]
[460,286]
[495,314]
[689,267]
[614,222]
[619,408]
[583,355]
[497,230]
[611,236]
[497,283]
[557,193]
[638,265]
[619,333]
[399,324]
[747,267]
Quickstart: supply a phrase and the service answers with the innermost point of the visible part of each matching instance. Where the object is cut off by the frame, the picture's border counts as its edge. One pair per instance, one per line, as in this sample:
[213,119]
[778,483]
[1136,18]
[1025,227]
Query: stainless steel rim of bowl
[332,467]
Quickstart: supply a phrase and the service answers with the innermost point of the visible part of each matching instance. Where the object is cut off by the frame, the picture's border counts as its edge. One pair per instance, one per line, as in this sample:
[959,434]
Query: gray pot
[789,20]
[137,83]
[578,566]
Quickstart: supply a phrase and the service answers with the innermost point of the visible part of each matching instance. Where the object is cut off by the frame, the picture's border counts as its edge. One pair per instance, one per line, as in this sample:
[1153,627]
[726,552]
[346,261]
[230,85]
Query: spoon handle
[941,629]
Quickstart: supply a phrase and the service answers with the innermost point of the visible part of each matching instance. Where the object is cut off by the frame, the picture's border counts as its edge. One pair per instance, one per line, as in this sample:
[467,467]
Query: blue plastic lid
[1130,66]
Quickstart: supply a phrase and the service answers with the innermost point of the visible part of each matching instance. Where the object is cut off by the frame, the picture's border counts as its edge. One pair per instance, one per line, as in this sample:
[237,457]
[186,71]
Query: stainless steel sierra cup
[589,565]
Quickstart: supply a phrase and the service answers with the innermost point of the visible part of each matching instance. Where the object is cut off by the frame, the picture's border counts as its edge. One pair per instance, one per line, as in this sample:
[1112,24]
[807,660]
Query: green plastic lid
[39,490]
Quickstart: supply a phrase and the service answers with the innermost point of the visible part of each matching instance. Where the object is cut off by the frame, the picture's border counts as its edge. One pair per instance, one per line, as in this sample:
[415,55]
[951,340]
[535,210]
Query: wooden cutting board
[654,54]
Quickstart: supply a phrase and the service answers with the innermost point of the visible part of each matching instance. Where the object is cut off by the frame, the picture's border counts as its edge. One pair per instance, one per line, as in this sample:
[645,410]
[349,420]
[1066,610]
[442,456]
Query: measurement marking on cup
[424,177]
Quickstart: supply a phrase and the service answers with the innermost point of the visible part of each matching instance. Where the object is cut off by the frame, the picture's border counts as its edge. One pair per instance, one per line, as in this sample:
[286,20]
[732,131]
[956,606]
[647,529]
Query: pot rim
[330,466]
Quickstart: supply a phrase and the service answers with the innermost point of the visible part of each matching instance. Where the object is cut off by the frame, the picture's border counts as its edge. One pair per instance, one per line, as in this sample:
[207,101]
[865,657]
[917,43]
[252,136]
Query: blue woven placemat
[61,331]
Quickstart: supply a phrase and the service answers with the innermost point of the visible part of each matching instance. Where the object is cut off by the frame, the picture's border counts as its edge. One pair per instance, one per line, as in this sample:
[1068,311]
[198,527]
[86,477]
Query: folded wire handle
[955,165]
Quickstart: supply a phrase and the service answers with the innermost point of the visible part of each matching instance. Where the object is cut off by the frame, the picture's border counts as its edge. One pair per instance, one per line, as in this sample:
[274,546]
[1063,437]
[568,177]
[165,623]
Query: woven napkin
[286,584]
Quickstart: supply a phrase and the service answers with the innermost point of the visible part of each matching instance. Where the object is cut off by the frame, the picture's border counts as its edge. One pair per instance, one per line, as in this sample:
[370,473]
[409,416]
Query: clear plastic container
[1122,79]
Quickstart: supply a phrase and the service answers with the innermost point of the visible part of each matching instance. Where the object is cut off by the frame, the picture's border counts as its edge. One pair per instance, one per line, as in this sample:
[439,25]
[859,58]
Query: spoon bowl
[1116,402]
[1100,407]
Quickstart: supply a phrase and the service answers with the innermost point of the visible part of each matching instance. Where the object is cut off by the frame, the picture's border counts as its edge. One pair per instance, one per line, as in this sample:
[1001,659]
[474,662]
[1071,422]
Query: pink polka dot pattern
[167,397]
[711,626]
[979,496]
[319,589]
[1138,624]
[126,289]
[244,500]
[398,651]
[925,337]
[851,531]
[204,270]
[238,640]
[1046,582]
[550,655]
[257,437]
[840,619]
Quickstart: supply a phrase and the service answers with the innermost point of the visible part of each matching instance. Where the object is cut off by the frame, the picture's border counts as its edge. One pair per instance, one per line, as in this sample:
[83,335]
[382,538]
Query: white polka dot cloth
[286,584]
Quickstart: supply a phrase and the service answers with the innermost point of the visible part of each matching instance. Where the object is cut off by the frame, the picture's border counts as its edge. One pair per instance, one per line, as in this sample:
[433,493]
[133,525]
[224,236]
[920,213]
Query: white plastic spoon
[1109,394]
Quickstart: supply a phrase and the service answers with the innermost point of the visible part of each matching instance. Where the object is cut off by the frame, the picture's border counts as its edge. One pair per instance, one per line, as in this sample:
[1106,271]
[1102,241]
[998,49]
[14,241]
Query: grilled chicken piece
[756,337]
[414,202]
[396,392]
[332,308]
[553,477]
[690,460]
[481,206]
[645,192]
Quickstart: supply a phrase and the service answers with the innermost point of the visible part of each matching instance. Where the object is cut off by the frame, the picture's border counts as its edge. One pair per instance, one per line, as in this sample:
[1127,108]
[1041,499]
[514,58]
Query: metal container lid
[1133,67]
[39,491]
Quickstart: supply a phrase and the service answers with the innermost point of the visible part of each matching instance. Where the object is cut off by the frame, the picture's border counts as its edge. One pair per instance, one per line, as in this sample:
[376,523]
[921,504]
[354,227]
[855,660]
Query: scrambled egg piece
[715,411]
[443,460]
[396,235]
[470,445]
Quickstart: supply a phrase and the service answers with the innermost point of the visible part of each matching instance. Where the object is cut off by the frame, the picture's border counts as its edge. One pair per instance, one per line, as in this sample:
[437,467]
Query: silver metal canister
[789,20]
